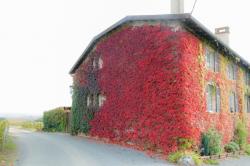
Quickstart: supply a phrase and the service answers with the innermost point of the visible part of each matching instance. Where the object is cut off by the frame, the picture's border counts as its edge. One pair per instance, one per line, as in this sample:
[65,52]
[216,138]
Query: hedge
[55,120]
[3,127]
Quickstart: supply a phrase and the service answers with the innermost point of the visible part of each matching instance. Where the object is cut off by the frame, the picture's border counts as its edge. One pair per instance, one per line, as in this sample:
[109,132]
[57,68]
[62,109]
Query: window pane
[100,63]
[232,102]
[212,63]
[217,62]
[217,99]
[207,58]
[211,98]
[248,104]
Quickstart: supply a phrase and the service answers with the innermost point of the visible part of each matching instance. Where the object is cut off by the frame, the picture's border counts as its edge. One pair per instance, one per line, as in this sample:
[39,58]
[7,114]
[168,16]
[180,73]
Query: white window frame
[101,100]
[212,98]
[212,59]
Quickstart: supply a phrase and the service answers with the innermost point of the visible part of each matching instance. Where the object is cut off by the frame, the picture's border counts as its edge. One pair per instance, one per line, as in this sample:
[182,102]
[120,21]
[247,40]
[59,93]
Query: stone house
[153,79]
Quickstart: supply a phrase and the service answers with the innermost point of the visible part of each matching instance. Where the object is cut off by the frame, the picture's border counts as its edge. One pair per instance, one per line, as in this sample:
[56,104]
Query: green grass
[8,153]
[27,124]
[211,162]
[32,125]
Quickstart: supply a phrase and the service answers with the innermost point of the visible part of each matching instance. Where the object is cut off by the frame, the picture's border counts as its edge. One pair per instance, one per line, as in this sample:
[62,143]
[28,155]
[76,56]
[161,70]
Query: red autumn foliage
[143,82]
[151,78]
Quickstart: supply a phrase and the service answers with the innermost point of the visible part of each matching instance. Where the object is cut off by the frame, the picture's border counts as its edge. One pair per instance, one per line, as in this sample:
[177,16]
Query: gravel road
[53,149]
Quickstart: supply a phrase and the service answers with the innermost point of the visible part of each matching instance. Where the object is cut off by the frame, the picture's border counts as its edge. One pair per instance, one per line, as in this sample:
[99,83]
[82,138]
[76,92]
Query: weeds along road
[53,149]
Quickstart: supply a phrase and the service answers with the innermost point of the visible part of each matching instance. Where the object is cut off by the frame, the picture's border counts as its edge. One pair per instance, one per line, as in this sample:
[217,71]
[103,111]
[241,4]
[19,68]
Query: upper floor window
[213,98]
[247,103]
[96,100]
[101,100]
[233,102]
[100,63]
[212,59]
[247,77]
[232,71]
[90,100]
[97,63]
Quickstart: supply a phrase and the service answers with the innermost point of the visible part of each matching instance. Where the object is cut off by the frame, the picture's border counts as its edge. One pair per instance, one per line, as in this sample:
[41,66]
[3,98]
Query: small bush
[247,150]
[232,147]
[211,143]
[196,158]
[240,135]
[184,144]
[176,156]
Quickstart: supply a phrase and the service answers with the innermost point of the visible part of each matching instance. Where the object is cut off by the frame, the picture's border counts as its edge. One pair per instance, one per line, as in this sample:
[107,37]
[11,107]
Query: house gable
[189,22]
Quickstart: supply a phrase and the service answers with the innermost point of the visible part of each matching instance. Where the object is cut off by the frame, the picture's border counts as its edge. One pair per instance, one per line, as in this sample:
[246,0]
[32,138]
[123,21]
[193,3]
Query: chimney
[177,6]
[223,34]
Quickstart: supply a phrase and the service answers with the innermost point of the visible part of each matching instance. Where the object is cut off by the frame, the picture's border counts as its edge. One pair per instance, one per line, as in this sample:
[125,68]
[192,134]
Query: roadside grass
[32,125]
[211,162]
[8,153]
[26,124]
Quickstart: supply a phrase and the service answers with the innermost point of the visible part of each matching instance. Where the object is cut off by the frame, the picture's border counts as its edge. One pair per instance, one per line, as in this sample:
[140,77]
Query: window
[233,102]
[247,103]
[212,60]
[213,98]
[232,71]
[101,100]
[90,100]
[94,64]
[247,77]
[100,63]
[97,63]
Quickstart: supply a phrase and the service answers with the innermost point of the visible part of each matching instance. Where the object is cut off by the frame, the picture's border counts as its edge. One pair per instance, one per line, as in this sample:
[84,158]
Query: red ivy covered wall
[153,78]
[143,82]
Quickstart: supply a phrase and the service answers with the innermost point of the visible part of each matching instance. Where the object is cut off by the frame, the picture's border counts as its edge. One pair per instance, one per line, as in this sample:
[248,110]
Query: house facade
[153,79]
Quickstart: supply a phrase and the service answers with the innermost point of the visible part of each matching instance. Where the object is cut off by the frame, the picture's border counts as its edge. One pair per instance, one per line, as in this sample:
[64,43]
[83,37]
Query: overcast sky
[40,40]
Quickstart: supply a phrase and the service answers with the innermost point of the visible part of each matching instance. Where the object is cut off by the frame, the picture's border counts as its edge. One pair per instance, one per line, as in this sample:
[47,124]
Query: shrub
[211,142]
[247,150]
[240,134]
[176,156]
[55,120]
[184,144]
[232,147]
